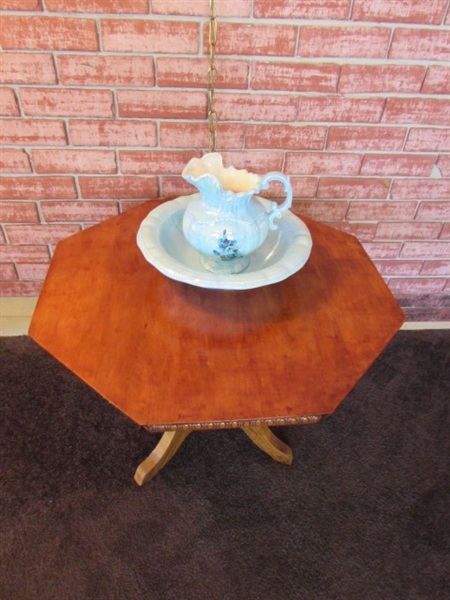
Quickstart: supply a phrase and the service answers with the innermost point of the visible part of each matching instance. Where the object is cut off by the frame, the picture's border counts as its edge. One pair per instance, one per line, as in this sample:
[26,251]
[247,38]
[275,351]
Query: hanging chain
[212,77]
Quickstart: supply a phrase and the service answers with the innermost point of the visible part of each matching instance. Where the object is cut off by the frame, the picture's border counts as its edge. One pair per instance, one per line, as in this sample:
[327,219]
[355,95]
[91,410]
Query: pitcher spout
[208,173]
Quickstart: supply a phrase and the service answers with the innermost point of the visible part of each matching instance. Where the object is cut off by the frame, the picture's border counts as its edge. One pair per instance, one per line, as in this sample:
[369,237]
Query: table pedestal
[171,441]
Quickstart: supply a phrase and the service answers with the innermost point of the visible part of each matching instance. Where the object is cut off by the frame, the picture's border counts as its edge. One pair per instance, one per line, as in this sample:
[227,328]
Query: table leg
[164,451]
[262,436]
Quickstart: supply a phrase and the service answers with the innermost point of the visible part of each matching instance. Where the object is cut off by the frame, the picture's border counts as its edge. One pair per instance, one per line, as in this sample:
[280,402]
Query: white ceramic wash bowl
[162,242]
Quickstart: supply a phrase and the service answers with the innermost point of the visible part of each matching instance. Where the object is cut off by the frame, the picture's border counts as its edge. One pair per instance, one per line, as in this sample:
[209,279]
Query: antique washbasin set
[225,236]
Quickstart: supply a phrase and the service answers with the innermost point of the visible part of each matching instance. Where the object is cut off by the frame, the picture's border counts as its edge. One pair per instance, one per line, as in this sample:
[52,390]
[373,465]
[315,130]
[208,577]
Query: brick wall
[104,102]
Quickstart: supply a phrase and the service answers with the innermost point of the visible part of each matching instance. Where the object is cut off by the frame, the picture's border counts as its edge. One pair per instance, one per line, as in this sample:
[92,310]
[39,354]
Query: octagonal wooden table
[176,358]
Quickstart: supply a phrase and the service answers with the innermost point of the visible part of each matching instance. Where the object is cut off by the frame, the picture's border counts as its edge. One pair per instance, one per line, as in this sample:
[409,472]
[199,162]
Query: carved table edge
[276,422]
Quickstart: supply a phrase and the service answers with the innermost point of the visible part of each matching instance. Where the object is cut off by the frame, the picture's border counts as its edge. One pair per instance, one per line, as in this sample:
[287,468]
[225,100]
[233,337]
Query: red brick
[444,313]
[443,164]
[407,231]
[174,186]
[125,205]
[27,254]
[98,6]
[322,163]
[366,138]
[16,289]
[363,231]
[201,8]
[287,137]
[32,271]
[119,187]
[358,79]
[380,211]
[437,80]
[419,165]
[196,135]
[343,187]
[426,250]
[192,72]
[162,104]
[320,210]
[417,313]
[340,109]
[434,211]
[48,33]
[292,77]
[91,212]
[428,111]
[304,187]
[67,102]
[400,268]
[445,233]
[424,300]
[420,44]
[166,162]
[21,5]
[37,188]
[39,234]
[256,40]
[302,9]
[7,272]
[254,161]
[384,250]
[74,161]
[16,67]
[339,42]
[436,268]
[14,161]
[106,70]
[174,37]
[417,285]
[28,132]
[8,103]
[255,107]
[112,133]
[433,189]
[399,11]
[18,212]
[428,139]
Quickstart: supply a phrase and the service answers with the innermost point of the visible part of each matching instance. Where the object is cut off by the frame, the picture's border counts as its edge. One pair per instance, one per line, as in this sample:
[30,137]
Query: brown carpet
[362,514]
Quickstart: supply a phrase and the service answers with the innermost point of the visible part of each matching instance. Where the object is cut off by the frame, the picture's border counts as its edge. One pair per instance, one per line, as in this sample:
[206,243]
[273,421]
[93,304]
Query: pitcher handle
[277,210]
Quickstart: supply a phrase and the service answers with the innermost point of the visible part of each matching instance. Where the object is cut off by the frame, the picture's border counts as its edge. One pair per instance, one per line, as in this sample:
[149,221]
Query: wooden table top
[170,355]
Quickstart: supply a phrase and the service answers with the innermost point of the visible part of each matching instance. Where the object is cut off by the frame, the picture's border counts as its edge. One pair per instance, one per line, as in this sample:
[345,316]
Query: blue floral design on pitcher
[228,249]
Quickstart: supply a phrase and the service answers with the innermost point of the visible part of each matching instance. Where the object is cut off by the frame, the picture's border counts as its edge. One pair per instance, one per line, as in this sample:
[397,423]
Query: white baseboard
[16,313]
[414,325]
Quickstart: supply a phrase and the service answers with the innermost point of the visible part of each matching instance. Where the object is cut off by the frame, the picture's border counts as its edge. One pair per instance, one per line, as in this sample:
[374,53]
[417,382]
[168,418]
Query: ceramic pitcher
[225,223]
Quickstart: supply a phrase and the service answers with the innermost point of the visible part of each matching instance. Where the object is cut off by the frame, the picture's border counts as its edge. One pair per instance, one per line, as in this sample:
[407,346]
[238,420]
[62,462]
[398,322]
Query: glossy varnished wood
[268,442]
[171,441]
[168,354]
[166,449]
